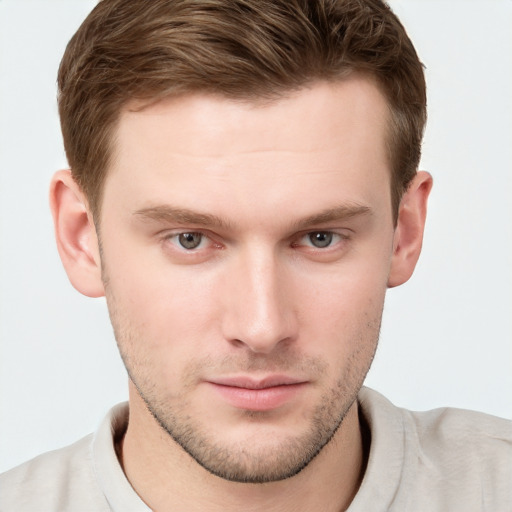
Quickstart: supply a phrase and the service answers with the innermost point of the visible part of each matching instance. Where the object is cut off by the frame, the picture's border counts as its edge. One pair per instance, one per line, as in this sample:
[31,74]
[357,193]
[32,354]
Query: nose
[258,303]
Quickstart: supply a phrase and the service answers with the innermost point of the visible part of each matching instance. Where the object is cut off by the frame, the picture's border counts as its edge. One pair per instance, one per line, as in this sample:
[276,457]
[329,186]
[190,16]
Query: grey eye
[320,239]
[190,240]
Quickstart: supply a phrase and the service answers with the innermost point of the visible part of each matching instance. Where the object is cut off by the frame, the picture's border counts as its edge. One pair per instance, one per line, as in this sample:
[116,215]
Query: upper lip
[256,383]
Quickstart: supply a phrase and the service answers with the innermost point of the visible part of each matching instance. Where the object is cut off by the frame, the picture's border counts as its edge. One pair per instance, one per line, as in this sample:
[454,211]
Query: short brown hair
[242,49]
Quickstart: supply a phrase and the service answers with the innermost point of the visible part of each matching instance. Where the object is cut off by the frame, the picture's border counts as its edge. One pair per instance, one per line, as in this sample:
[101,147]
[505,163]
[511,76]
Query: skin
[257,186]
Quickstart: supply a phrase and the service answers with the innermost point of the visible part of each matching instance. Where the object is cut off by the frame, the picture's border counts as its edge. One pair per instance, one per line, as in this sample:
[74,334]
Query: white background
[446,338]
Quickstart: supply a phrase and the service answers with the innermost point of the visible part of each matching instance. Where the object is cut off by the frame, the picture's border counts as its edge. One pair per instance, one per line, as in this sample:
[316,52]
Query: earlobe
[408,236]
[76,236]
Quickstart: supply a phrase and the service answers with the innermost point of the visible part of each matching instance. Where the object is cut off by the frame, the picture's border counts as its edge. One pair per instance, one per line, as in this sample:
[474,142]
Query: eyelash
[335,239]
[173,238]
[331,235]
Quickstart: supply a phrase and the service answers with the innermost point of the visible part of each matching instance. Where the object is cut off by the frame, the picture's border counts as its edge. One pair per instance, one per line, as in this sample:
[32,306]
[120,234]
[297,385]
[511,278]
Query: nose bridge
[259,314]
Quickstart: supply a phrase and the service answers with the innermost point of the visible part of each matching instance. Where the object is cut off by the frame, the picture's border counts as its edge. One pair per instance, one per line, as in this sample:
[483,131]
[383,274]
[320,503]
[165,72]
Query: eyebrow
[338,213]
[172,214]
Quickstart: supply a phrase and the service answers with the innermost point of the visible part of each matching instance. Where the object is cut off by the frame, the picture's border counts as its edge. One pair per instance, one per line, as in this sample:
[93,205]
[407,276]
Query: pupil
[190,240]
[321,239]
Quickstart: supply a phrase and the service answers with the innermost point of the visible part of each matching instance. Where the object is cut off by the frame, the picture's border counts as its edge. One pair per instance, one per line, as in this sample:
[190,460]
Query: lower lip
[258,399]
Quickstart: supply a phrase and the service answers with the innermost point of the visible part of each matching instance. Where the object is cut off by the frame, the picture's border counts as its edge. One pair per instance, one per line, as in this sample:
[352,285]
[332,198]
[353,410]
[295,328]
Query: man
[243,190]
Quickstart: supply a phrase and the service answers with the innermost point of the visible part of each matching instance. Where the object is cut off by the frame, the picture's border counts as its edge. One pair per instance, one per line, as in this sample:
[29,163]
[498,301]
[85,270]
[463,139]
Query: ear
[408,236]
[75,232]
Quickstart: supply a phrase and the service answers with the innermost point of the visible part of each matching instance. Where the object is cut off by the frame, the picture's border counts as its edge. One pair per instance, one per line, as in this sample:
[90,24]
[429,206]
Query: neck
[167,478]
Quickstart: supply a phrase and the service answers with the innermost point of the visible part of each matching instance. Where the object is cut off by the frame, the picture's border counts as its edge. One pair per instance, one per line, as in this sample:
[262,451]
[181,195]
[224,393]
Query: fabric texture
[445,460]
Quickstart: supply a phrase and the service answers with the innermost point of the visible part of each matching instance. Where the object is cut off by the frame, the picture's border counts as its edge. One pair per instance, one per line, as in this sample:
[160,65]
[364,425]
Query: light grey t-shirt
[446,460]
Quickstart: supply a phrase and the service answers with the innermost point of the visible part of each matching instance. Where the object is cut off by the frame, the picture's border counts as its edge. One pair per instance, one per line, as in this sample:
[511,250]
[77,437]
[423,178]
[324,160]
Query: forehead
[328,109]
[322,141]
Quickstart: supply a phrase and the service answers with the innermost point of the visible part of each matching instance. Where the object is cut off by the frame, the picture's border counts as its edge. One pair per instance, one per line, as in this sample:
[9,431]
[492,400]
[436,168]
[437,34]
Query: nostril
[237,343]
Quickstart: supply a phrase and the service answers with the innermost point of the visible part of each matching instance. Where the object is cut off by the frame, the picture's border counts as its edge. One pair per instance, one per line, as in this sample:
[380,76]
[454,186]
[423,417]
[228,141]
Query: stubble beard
[247,462]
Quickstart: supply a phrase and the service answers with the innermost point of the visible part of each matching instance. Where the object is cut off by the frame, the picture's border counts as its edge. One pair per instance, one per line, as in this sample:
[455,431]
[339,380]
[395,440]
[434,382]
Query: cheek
[344,316]
[155,308]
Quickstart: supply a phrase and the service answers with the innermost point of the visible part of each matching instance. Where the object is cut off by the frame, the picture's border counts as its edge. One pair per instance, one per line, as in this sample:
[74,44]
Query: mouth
[252,394]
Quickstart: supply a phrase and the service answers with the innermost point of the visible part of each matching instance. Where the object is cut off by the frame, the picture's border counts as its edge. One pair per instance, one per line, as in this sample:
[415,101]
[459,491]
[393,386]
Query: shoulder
[473,445]
[443,428]
[58,480]
[443,459]
[465,454]
[457,428]
[61,461]
[83,477]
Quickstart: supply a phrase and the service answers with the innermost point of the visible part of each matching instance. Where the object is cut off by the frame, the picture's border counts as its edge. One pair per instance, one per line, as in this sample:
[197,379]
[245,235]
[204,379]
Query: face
[246,250]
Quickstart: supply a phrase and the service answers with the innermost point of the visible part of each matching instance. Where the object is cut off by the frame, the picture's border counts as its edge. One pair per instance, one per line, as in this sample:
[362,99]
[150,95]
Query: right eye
[189,240]
[321,239]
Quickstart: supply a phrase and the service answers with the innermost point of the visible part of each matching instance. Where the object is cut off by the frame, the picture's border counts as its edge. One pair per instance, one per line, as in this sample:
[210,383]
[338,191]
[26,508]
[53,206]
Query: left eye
[190,240]
[320,239]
